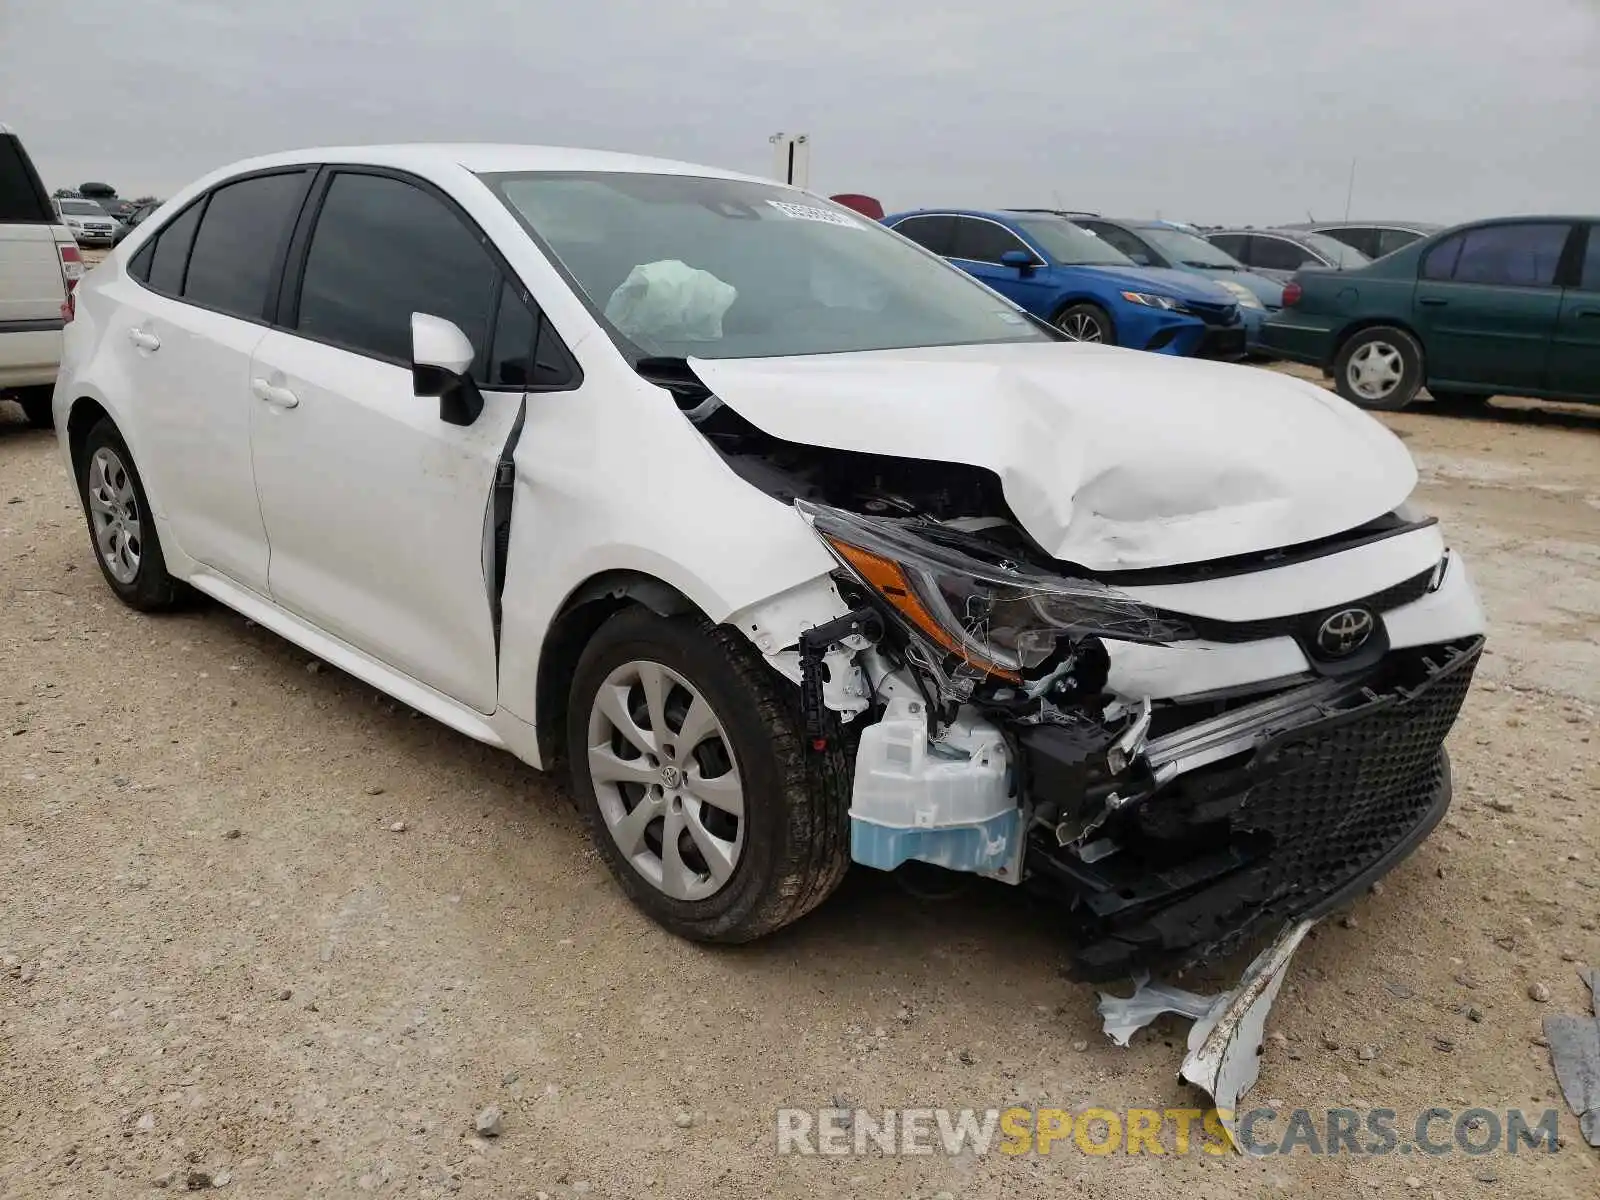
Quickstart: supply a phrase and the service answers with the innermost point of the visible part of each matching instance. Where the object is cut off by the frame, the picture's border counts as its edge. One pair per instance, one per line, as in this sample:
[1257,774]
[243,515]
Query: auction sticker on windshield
[807,212]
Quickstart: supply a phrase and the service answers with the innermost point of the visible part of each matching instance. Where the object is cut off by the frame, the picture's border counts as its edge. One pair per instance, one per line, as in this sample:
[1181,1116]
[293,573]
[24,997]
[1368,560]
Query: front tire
[701,794]
[1379,369]
[121,527]
[1086,323]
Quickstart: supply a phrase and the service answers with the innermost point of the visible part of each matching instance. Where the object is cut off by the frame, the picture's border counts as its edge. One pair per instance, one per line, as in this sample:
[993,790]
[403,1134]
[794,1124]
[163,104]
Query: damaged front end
[1176,828]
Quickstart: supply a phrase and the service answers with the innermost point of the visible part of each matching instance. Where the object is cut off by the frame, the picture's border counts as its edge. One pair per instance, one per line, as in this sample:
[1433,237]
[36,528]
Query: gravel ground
[228,963]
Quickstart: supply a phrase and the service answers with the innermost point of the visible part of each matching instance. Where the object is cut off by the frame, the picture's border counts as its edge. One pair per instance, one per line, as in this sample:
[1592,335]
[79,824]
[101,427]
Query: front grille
[1345,795]
[1337,799]
[1297,625]
[1287,829]
[1214,314]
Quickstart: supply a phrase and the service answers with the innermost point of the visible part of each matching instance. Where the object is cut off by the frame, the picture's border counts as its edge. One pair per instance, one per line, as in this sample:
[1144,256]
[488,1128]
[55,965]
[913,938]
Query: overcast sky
[1249,110]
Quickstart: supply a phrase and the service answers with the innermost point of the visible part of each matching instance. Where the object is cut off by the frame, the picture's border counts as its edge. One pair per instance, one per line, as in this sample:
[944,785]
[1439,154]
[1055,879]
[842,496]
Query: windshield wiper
[1212,266]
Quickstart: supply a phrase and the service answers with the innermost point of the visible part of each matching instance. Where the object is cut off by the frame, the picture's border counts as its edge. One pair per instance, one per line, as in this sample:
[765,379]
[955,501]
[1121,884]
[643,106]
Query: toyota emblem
[1345,632]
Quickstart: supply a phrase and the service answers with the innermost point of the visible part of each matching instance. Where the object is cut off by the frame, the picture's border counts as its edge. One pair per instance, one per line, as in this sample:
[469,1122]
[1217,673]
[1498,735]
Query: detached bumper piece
[1258,815]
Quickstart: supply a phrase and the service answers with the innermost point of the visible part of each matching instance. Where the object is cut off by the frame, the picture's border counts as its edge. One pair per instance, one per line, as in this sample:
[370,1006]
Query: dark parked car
[131,222]
[1080,283]
[1372,238]
[1279,253]
[1494,307]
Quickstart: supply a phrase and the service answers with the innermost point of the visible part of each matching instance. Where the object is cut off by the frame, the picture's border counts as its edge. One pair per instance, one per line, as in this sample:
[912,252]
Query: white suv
[797,544]
[39,265]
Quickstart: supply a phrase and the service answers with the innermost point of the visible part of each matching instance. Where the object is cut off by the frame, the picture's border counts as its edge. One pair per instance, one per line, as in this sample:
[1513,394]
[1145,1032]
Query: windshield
[1189,250]
[1335,251]
[681,266]
[1072,245]
[82,208]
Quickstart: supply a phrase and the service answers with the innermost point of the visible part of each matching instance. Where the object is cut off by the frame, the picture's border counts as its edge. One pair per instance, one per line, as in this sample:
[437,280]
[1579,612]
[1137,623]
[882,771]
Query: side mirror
[441,356]
[1020,259]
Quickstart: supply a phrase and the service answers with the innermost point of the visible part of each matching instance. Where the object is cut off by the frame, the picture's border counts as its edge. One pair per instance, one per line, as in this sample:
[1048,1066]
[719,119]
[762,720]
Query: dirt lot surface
[224,963]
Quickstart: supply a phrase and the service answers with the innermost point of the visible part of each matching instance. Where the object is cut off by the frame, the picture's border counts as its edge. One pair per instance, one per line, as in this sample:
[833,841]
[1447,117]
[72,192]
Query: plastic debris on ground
[1224,1057]
[1575,1055]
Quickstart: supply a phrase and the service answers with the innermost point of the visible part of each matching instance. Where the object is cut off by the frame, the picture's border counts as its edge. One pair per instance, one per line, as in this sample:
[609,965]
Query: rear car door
[977,246]
[1487,302]
[1574,366]
[378,513]
[183,338]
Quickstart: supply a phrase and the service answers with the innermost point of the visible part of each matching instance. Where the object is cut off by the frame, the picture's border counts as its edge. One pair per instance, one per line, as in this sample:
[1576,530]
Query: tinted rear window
[172,251]
[22,197]
[237,246]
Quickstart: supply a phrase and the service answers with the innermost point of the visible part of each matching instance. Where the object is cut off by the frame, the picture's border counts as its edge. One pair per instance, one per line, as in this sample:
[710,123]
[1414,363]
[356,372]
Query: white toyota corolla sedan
[795,544]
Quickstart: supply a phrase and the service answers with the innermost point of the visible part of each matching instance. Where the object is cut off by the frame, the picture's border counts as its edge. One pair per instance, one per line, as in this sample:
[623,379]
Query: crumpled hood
[1112,459]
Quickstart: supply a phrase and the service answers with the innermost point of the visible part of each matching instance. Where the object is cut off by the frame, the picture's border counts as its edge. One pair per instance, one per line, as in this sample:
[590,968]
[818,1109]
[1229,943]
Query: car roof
[991,214]
[1412,226]
[481,158]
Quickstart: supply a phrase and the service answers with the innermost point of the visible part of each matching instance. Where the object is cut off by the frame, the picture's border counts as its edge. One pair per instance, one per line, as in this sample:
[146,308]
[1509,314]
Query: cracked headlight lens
[958,593]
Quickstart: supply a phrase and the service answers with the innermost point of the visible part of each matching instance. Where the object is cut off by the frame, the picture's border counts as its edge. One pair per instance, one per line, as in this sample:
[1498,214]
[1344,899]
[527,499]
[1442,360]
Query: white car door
[377,511]
[190,317]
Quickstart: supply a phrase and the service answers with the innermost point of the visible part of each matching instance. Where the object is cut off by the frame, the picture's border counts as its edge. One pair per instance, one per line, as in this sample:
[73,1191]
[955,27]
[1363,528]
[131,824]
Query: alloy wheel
[1375,370]
[662,767]
[114,509]
[1081,327]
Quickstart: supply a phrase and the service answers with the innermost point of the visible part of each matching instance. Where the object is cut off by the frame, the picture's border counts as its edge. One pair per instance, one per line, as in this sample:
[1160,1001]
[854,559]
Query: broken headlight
[959,593]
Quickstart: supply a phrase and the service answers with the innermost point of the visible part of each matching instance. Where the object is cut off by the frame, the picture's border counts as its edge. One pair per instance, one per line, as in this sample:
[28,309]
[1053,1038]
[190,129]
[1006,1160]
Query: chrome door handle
[1433,301]
[278,397]
[143,340]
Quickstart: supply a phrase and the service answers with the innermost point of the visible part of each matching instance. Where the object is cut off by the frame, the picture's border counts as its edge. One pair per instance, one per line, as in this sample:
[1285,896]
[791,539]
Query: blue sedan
[1079,283]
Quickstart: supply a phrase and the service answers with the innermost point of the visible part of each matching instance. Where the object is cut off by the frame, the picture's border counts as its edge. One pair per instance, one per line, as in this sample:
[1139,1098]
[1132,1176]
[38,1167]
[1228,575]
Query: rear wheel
[120,525]
[700,793]
[1379,369]
[36,402]
[1086,323]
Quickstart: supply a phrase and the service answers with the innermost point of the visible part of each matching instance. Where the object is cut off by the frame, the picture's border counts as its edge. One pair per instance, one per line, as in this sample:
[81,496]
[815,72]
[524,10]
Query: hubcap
[1081,327]
[114,510]
[1375,370]
[665,779]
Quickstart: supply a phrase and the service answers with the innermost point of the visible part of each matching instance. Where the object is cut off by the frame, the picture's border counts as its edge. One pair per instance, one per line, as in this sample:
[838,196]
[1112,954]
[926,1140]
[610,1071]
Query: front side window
[1390,240]
[1120,238]
[236,247]
[1183,247]
[1360,237]
[1279,254]
[684,266]
[383,249]
[1233,244]
[1511,255]
[984,241]
[1334,252]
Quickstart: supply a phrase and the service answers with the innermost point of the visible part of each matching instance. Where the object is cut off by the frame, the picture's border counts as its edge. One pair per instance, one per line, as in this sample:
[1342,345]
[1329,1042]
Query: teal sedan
[1503,307]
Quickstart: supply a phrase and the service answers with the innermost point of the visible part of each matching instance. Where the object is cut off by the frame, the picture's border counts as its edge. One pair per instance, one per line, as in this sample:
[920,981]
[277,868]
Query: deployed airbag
[670,301]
